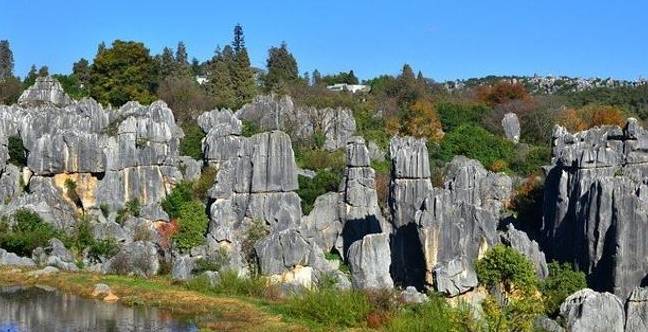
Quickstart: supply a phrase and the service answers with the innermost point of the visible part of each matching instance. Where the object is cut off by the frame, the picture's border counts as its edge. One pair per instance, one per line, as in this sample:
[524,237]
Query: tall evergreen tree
[196,67]
[282,68]
[317,77]
[43,71]
[6,60]
[81,70]
[166,63]
[181,54]
[242,75]
[101,47]
[239,40]
[220,86]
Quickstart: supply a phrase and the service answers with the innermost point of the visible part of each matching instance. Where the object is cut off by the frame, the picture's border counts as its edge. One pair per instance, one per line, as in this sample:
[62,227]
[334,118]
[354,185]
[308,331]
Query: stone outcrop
[511,126]
[138,258]
[56,255]
[596,211]
[519,241]
[370,260]
[589,311]
[272,112]
[11,259]
[440,232]
[45,91]
[637,310]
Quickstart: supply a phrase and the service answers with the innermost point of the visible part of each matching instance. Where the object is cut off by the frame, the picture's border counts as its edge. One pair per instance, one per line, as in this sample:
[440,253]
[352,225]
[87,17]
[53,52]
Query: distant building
[202,79]
[353,88]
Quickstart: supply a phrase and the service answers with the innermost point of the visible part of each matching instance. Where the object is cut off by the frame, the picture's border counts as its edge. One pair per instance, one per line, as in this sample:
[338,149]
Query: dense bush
[503,265]
[180,195]
[476,143]
[316,159]
[561,282]
[434,315]
[530,160]
[17,152]
[27,233]
[230,283]
[250,129]
[310,189]
[192,223]
[204,183]
[191,143]
[453,115]
[330,308]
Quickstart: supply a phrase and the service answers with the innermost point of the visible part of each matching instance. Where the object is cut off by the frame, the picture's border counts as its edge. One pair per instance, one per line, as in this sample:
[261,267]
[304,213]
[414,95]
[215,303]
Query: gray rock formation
[137,258]
[436,228]
[519,241]
[637,310]
[454,277]
[11,259]
[182,268]
[596,210]
[589,311]
[370,260]
[280,113]
[411,295]
[511,126]
[55,254]
[45,91]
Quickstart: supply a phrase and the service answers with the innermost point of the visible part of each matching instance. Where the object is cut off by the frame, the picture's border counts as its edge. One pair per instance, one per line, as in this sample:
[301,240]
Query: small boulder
[370,259]
[511,126]
[590,311]
[137,258]
[182,268]
[454,277]
[411,295]
[11,259]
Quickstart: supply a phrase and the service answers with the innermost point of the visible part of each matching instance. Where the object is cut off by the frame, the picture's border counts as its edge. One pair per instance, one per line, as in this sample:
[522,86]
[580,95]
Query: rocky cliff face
[113,156]
[280,113]
[596,211]
[440,232]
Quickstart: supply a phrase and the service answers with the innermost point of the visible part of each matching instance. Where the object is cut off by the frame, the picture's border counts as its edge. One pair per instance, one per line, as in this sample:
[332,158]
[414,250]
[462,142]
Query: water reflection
[41,309]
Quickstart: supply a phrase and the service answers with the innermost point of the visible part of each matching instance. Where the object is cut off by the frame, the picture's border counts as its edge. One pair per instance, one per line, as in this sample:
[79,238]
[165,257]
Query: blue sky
[444,39]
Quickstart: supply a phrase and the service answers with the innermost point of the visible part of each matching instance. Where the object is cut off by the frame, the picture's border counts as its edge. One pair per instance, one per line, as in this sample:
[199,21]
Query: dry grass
[210,312]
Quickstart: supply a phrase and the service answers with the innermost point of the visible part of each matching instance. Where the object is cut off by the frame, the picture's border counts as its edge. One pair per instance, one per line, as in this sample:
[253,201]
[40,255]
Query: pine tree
[101,47]
[239,40]
[166,62]
[352,79]
[81,70]
[282,68]
[307,78]
[220,86]
[31,76]
[196,68]
[317,77]
[182,64]
[242,76]
[43,71]
[6,60]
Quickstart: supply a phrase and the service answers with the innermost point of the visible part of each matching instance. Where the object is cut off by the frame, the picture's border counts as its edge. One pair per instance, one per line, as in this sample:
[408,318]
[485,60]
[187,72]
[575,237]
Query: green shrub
[204,183]
[331,308]
[28,232]
[504,265]
[561,282]
[309,189]
[180,195]
[191,143]
[105,209]
[532,160]
[70,190]
[213,263]
[192,226]
[133,207]
[250,129]
[453,115]
[434,315]
[230,284]
[103,249]
[17,152]
[476,143]
[317,160]
[256,231]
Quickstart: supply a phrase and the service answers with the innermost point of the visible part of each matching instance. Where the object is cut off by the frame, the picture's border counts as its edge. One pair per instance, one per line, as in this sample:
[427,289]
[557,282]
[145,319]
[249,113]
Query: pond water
[42,309]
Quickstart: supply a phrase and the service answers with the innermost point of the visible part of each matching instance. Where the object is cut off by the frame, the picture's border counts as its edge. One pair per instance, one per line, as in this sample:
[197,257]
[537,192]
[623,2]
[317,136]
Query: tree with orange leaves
[501,92]
[591,116]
